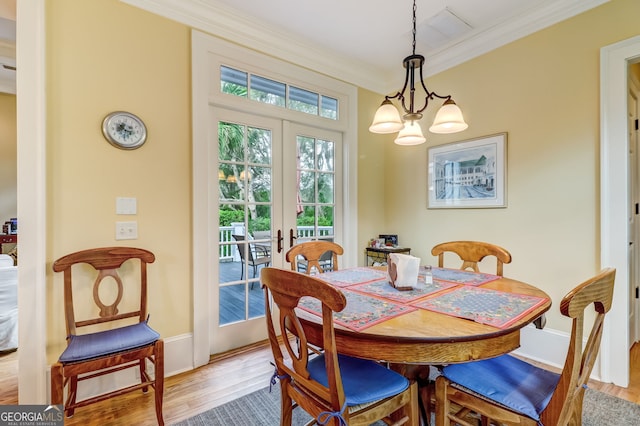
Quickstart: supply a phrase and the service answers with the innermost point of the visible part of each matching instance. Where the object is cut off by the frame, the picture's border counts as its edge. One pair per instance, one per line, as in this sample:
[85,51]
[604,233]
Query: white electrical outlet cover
[126,205]
[127,230]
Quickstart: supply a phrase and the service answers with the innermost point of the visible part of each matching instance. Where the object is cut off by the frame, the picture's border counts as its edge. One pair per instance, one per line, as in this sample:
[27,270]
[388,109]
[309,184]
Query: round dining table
[427,337]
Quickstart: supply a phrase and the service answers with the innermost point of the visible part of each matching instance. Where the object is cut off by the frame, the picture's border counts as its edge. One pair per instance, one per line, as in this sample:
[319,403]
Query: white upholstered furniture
[8,304]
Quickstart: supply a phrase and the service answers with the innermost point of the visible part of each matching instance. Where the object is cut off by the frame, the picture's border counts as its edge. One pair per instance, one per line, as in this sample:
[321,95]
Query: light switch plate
[126,205]
[126,230]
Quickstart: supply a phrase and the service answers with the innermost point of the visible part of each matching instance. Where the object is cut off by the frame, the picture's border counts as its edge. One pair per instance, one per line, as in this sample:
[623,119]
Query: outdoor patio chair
[252,255]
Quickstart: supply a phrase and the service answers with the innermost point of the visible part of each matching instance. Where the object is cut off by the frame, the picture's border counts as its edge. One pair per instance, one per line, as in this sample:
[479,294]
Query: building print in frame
[468,174]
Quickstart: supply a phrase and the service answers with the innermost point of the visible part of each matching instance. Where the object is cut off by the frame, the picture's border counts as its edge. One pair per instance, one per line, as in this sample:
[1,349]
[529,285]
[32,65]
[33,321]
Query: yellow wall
[8,171]
[543,91]
[105,56]
[372,173]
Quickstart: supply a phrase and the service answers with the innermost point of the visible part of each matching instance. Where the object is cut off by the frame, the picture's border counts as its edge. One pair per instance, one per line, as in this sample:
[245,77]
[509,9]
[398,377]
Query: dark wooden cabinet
[380,255]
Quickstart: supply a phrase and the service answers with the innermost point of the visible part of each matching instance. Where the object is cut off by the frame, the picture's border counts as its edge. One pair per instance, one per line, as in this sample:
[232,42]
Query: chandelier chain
[414,26]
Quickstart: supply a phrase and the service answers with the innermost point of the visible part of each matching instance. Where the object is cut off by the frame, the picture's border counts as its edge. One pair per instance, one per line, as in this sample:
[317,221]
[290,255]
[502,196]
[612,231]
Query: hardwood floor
[8,378]
[226,377]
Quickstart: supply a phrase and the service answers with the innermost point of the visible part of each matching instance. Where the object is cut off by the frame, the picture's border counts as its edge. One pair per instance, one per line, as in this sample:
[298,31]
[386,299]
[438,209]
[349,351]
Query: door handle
[291,238]
[280,239]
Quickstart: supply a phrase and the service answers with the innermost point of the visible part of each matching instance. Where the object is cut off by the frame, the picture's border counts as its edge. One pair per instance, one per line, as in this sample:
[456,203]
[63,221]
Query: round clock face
[124,130]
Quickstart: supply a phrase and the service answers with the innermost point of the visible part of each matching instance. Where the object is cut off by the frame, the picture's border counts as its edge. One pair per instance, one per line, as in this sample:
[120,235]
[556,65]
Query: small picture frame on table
[389,239]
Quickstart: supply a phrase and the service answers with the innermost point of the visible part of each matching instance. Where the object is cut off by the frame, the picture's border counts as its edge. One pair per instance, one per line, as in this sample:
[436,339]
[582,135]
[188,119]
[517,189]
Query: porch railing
[229,252]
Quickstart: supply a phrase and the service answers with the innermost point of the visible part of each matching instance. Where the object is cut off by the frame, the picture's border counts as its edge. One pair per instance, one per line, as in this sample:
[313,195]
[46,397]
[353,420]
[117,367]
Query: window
[261,89]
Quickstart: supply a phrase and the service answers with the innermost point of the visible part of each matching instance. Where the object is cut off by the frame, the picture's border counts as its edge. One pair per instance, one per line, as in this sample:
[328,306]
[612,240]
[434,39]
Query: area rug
[262,408]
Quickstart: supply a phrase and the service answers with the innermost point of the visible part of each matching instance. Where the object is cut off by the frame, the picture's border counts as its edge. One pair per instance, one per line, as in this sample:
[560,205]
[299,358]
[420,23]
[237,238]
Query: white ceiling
[378,32]
[364,42]
[343,37]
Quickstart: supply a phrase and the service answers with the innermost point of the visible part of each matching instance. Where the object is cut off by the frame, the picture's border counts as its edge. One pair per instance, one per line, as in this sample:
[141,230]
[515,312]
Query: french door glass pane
[325,155]
[231,142]
[307,187]
[259,142]
[326,229]
[260,180]
[325,186]
[306,153]
[316,188]
[232,305]
[245,214]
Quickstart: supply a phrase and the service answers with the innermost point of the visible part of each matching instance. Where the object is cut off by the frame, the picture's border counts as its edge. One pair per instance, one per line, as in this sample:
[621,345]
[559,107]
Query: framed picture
[468,174]
[389,239]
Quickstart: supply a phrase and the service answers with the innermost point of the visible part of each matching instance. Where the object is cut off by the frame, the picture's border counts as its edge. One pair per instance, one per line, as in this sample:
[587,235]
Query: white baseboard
[178,354]
[178,358]
[549,347]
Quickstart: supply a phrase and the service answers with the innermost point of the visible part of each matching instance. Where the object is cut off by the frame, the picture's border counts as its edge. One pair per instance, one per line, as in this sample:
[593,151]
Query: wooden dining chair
[321,255]
[507,390]
[112,339]
[472,252]
[334,389]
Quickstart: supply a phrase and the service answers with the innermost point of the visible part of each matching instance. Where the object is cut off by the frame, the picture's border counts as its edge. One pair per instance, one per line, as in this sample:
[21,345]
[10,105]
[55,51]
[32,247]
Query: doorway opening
[615,202]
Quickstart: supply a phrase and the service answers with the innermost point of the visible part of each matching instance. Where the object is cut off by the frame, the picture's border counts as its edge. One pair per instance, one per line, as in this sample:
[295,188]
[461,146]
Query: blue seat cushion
[507,380]
[93,345]
[363,381]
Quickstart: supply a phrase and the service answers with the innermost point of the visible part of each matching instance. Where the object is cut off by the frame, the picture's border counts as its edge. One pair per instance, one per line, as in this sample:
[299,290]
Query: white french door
[253,195]
[248,190]
[634,203]
[313,197]
[277,183]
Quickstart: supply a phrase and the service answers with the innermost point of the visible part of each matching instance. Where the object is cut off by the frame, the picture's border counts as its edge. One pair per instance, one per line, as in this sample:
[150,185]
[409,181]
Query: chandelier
[387,119]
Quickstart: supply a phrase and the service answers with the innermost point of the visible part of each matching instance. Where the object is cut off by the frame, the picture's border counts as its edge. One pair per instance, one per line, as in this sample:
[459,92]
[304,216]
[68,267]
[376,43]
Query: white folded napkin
[403,270]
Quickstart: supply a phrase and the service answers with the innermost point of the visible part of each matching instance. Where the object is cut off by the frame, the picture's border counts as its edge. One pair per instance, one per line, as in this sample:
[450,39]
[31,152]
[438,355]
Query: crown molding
[219,20]
[529,22]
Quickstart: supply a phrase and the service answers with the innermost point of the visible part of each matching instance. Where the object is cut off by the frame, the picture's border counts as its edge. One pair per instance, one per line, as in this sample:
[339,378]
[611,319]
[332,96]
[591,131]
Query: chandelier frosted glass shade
[387,119]
[448,119]
[411,134]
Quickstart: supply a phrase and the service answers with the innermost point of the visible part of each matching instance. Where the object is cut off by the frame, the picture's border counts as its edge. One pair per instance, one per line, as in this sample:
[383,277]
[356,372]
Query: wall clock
[124,130]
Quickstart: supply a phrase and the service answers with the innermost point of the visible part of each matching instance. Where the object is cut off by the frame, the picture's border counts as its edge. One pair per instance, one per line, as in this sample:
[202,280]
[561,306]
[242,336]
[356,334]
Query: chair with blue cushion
[506,390]
[115,334]
[334,389]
